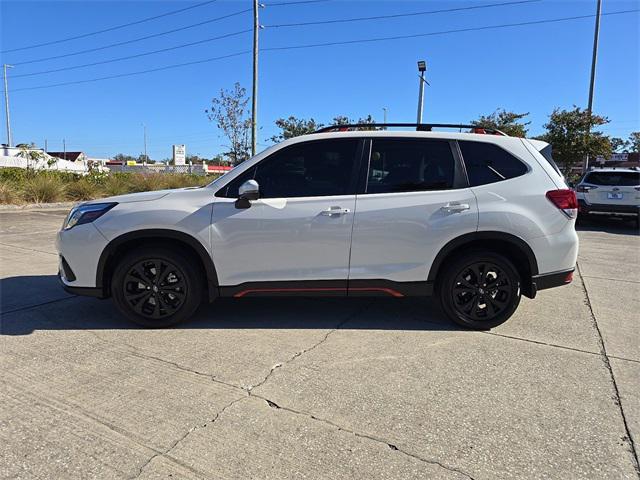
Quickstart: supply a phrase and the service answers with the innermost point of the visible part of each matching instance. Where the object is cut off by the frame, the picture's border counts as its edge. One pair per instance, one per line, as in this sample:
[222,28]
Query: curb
[37,206]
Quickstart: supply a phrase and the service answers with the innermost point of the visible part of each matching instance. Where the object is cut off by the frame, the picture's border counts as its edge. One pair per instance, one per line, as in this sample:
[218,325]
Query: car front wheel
[480,290]
[157,287]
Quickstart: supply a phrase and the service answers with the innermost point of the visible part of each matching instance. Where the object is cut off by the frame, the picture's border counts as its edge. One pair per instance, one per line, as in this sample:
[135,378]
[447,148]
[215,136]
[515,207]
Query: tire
[464,300]
[157,301]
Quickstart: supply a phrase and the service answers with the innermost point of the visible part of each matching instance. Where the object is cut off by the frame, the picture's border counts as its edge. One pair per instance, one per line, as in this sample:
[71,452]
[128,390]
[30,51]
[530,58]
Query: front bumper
[607,209]
[95,292]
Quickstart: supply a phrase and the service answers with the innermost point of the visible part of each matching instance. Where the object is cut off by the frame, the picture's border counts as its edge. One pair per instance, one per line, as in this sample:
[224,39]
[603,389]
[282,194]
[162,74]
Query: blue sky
[530,68]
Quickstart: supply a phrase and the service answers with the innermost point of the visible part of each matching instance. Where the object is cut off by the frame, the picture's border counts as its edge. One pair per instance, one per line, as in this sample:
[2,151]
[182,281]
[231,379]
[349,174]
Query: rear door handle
[335,211]
[455,207]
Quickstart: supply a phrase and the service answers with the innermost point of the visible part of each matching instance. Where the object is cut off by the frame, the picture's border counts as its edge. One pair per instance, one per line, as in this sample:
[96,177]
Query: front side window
[488,163]
[613,179]
[322,168]
[410,165]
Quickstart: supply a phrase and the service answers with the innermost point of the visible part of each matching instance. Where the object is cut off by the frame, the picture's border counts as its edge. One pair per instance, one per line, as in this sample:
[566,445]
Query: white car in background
[476,219]
[610,192]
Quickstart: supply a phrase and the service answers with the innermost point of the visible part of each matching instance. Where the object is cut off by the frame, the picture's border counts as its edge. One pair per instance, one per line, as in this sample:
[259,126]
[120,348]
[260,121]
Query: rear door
[613,188]
[300,227]
[413,200]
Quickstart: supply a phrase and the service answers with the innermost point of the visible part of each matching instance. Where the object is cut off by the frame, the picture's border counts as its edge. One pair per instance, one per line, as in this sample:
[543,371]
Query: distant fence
[160,168]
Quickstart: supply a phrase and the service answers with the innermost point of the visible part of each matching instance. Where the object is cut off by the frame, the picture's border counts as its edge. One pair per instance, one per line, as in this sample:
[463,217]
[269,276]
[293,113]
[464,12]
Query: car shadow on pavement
[33,303]
[607,225]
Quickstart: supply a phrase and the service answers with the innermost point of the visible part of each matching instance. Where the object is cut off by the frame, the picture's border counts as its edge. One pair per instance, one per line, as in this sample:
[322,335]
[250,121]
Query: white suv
[476,219]
[611,192]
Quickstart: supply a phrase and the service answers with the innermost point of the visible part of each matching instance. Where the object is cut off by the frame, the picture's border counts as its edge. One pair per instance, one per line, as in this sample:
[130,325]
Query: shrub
[82,189]
[43,188]
[117,184]
[9,193]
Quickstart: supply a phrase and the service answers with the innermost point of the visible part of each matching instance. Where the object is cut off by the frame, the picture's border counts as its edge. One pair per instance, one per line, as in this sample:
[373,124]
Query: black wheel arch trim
[484,236]
[159,234]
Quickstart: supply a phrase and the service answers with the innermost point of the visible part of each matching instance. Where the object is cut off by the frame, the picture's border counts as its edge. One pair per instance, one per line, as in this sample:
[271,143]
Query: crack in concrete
[605,359]
[314,346]
[340,428]
[167,453]
[29,307]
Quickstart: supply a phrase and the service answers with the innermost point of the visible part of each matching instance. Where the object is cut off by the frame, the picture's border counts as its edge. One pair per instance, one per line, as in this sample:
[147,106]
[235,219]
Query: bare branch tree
[231,115]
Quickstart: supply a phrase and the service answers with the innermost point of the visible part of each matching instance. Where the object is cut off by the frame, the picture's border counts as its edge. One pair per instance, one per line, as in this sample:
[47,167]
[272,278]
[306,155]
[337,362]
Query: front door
[415,200]
[297,235]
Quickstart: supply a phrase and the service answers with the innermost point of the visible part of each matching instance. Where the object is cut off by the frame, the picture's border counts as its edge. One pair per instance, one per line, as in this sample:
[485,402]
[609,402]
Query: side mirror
[249,190]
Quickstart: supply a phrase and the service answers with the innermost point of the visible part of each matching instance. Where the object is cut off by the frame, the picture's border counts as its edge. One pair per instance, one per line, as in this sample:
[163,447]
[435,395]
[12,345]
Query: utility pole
[64,149]
[6,103]
[384,116]
[594,60]
[144,128]
[46,148]
[254,90]
[422,67]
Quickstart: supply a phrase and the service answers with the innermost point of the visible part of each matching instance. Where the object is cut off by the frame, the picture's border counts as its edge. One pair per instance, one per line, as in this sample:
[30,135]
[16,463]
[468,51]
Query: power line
[140,72]
[128,57]
[345,42]
[110,29]
[444,32]
[280,4]
[129,41]
[398,15]
[237,13]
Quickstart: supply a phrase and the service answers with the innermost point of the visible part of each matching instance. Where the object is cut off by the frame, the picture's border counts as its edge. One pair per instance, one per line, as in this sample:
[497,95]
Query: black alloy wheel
[157,287]
[480,290]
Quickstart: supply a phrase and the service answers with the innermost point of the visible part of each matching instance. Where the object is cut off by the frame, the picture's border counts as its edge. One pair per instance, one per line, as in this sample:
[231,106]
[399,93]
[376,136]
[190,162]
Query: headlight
[86,214]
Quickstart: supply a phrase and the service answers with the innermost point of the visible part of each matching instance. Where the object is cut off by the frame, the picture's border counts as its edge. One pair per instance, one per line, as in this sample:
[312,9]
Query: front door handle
[335,211]
[455,207]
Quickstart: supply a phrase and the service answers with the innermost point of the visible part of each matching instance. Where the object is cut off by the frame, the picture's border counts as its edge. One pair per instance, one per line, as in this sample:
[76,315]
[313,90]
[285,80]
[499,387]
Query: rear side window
[620,179]
[407,165]
[488,163]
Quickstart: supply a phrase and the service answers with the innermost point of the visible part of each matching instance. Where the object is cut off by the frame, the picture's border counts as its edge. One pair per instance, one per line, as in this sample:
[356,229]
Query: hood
[135,197]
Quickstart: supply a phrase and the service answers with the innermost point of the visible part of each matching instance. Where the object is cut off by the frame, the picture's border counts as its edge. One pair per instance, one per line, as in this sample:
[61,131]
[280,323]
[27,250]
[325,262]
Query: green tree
[230,113]
[294,127]
[566,131]
[619,145]
[121,157]
[634,142]
[344,120]
[507,122]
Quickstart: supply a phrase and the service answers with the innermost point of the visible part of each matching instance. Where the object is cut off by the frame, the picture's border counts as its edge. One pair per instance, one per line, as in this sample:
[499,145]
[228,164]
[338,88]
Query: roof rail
[421,127]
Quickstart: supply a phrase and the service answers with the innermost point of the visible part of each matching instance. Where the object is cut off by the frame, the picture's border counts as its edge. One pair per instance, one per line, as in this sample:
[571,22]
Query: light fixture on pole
[422,68]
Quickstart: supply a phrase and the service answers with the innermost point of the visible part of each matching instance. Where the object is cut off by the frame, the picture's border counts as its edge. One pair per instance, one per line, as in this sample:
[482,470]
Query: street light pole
[384,109]
[6,103]
[254,90]
[422,67]
[592,82]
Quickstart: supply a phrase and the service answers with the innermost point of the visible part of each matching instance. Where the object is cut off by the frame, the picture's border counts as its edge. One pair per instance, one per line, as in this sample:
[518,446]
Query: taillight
[565,200]
[585,188]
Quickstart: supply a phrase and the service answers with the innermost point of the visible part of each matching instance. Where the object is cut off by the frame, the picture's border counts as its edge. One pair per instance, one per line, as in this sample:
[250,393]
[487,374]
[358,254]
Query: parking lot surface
[319,388]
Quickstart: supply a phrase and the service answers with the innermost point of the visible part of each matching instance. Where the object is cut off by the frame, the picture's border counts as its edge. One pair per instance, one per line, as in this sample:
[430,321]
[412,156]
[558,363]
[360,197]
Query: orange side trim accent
[389,291]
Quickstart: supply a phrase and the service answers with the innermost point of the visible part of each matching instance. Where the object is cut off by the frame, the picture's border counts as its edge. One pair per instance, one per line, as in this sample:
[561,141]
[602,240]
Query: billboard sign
[179,154]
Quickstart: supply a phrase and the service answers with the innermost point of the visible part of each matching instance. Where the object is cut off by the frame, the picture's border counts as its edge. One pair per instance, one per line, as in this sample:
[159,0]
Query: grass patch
[43,189]
[9,192]
[19,185]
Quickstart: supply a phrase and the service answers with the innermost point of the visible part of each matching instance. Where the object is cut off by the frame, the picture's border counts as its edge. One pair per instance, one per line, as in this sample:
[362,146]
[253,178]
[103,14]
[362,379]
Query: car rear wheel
[157,287]
[480,290]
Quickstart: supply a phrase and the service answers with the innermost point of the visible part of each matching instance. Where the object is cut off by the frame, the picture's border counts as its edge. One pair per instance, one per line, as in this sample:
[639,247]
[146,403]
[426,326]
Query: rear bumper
[551,280]
[607,209]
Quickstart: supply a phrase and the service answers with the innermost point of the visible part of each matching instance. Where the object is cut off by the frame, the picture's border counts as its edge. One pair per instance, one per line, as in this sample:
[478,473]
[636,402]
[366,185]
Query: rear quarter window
[488,163]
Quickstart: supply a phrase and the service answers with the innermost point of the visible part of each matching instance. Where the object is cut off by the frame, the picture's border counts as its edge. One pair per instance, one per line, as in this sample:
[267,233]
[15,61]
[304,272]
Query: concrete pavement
[321,388]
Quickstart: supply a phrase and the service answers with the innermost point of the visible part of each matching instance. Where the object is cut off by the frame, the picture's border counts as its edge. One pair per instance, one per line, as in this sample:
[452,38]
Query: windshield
[619,179]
